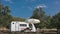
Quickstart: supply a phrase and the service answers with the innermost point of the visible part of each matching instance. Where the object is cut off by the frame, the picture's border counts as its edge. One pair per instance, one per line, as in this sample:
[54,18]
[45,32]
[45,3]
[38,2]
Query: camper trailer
[22,26]
[19,26]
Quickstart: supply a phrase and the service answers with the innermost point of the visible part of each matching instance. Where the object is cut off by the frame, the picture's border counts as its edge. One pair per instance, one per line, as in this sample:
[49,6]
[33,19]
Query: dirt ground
[42,31]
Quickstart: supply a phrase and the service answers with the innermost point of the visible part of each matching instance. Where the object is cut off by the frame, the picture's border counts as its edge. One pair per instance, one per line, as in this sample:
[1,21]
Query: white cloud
[8,1]
[42,6]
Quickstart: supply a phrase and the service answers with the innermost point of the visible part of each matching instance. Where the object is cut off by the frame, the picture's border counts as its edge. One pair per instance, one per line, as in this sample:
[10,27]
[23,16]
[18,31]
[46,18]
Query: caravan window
[23,24]
[30,25]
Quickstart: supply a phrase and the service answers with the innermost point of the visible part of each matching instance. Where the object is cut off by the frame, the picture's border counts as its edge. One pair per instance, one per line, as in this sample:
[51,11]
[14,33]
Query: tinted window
[23,24]
[30,25]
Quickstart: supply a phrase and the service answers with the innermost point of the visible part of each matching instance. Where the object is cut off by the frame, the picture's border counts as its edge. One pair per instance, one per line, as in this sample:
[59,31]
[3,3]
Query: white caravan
[19,26]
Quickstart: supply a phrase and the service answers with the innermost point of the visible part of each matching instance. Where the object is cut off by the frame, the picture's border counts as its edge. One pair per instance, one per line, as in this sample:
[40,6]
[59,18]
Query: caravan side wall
[14,26]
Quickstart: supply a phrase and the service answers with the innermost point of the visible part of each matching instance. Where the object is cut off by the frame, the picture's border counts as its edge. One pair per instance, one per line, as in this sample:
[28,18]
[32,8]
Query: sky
[25,8]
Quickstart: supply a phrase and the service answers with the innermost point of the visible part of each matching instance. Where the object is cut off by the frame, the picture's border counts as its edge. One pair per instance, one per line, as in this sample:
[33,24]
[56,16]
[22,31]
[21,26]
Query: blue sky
[25,8]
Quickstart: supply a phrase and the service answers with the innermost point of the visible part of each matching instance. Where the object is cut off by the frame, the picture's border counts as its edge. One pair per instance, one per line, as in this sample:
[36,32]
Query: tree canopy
[6,17]
[45,21]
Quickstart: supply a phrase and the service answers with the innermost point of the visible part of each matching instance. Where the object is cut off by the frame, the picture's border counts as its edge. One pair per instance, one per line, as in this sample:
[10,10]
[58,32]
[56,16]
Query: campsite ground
[41,31]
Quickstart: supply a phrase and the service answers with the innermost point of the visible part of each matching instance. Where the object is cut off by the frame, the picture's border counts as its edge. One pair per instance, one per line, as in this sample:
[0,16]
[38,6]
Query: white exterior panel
[13,26]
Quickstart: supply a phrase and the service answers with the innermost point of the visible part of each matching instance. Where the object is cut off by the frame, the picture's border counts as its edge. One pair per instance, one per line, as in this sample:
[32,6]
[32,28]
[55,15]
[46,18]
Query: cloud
[8,1]
[42,6]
